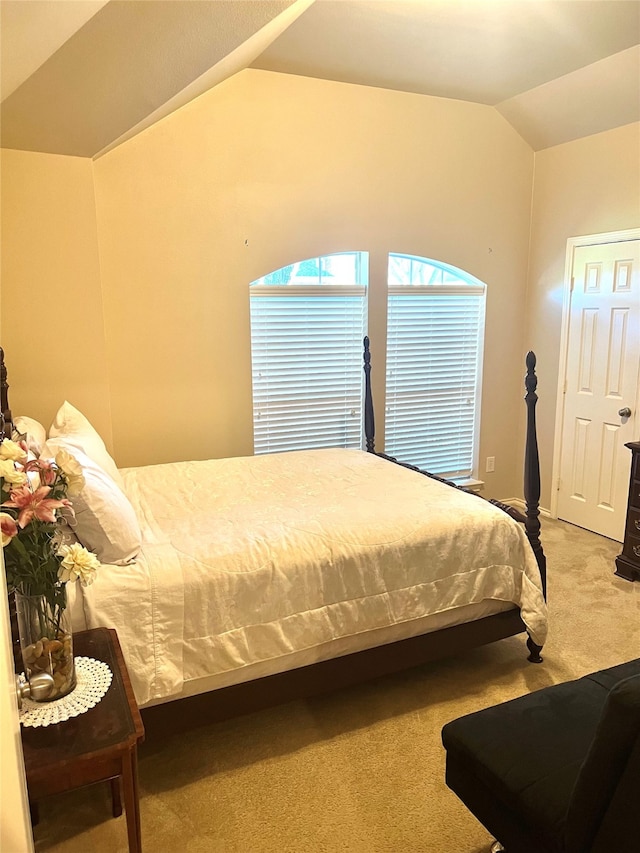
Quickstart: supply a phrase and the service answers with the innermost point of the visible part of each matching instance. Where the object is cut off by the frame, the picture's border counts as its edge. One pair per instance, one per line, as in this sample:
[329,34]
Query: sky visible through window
[346,268]
[406,269]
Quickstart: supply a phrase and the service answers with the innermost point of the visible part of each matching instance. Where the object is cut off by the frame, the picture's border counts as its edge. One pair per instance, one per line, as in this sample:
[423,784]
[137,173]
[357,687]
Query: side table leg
[116,796]
[131,801]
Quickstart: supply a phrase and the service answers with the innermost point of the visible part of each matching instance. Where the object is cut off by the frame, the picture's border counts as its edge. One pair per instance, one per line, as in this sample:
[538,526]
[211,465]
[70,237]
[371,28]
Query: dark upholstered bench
[555,770]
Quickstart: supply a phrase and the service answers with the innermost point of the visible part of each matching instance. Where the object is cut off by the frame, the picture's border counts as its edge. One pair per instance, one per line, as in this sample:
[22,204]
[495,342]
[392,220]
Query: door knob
[625,413]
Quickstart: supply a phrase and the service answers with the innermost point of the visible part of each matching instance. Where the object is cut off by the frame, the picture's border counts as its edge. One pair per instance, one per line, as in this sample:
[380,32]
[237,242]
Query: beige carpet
[361,770]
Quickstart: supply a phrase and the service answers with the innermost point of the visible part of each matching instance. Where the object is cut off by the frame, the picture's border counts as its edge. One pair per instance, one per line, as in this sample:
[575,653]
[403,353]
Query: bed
[260,579]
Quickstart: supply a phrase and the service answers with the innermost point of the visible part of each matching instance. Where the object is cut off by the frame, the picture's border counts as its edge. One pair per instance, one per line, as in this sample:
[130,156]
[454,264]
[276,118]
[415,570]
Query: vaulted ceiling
[80,76]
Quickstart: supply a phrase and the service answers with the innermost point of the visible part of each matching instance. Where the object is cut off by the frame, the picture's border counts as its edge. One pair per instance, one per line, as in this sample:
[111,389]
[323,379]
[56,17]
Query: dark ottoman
[557,769]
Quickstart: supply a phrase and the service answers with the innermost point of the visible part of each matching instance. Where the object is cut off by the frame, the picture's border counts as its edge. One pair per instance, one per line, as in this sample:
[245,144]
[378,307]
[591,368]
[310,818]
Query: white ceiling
[79,76]
[32,31]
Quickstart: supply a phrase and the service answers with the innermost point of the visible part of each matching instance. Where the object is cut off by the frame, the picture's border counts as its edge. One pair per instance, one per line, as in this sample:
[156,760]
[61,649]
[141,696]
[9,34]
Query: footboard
[531,520]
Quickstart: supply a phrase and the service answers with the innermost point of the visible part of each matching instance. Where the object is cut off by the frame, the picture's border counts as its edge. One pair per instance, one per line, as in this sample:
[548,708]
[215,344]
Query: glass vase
[46,641]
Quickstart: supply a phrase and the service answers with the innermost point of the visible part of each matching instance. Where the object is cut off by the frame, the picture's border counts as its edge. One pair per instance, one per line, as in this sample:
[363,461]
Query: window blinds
[434,341]
[307,366]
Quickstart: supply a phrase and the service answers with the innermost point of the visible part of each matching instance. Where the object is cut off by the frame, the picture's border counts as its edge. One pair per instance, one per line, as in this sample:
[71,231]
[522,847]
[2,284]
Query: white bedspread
[249,560]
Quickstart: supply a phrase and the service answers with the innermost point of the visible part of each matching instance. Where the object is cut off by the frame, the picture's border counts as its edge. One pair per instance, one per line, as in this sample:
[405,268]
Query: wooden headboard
[6,420]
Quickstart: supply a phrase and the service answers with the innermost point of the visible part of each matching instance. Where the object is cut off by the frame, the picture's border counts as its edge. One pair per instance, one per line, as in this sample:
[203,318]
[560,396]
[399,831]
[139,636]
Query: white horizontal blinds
[306,344]
[434,339]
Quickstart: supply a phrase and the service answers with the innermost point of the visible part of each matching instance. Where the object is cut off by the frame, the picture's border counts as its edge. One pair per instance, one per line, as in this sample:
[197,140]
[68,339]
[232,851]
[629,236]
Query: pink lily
[8,528]
[34,504]
[45,470]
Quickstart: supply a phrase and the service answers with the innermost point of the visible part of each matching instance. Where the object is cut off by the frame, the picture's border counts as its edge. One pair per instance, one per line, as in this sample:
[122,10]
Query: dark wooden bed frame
[368,664]
[531,520]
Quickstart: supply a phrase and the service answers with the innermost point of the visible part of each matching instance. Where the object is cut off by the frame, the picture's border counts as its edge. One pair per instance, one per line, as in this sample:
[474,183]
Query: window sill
[470,484]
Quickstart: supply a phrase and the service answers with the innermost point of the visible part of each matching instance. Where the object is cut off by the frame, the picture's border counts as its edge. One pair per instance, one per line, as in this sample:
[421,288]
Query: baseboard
[518,503]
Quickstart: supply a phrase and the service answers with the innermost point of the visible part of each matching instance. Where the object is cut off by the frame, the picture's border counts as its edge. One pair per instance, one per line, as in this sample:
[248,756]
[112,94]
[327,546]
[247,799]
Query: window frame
[353,373]
[466,284]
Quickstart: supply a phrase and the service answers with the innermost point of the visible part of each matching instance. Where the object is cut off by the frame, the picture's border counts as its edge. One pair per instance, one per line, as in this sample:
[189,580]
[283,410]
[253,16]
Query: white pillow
[35,432]
[106,521]
[77,430]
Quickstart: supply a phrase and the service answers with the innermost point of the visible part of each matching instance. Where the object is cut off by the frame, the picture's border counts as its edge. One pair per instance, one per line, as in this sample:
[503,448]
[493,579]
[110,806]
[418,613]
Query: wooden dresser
[628,563]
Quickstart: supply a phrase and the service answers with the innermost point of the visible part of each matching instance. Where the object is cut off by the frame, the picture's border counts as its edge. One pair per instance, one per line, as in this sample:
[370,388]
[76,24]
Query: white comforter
[250,560]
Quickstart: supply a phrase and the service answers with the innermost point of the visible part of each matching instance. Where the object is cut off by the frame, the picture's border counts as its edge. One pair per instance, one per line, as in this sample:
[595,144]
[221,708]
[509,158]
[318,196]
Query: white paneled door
[601,387]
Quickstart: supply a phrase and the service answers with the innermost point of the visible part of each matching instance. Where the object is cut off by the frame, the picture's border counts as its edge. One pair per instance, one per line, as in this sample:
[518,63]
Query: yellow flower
[11,450]
[10,473]
[77,563]
[72,470]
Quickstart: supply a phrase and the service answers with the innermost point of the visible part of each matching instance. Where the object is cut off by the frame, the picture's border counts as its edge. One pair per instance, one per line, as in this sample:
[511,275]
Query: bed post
[532,470]
[532,486]
[369,423]
[6,420]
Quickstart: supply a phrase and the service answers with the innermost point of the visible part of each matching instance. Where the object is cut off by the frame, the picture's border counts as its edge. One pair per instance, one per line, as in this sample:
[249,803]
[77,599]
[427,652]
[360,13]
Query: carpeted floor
[361,770]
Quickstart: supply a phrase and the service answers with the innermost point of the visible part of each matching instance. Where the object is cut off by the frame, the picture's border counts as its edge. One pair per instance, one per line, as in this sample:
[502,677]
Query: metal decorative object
[37,688]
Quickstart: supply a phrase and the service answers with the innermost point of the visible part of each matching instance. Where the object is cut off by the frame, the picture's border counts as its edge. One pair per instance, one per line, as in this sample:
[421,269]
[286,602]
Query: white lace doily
[93,678]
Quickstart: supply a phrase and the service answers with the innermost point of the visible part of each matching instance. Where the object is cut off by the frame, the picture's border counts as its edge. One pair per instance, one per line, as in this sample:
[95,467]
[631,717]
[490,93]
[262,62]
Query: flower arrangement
[37,563]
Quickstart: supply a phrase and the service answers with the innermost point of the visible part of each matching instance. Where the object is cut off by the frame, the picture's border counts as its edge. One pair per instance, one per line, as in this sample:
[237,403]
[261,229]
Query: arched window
[435,330]
[307,324]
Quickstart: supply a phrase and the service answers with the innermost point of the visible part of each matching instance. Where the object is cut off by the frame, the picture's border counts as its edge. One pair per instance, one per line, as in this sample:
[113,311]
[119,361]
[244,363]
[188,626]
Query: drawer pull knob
[637,523]
[636,550]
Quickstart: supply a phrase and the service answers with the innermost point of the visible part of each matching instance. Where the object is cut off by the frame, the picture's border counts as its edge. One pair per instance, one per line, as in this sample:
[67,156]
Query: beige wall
[52,326]
[588,186]
[261,171]
[267,169]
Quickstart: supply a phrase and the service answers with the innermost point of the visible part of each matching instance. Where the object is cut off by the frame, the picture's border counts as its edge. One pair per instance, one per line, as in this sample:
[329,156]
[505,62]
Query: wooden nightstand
[96,746]
[628,562]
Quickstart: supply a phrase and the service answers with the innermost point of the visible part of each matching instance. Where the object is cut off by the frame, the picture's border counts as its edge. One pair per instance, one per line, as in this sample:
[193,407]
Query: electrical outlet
[491,464]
